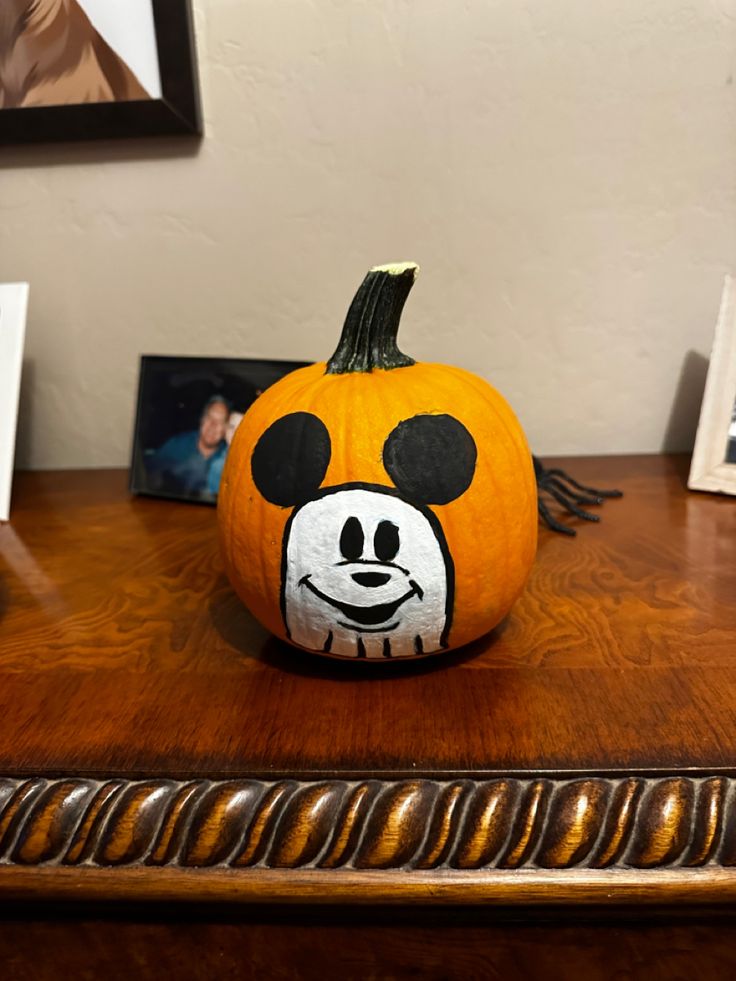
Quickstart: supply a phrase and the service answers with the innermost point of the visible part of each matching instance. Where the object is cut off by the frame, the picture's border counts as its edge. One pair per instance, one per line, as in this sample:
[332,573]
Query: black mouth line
[369,630]
[369,616]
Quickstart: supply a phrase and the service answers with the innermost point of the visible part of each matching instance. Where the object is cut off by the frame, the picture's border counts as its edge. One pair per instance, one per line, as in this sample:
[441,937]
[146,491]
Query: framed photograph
[713,466]
[13,307]
[188,411]
[92,69]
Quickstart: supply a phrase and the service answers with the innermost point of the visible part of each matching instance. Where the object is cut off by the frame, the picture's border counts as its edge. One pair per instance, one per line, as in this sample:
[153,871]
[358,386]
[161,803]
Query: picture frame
[13,310]
[713,464]
[186,416]
[97,95]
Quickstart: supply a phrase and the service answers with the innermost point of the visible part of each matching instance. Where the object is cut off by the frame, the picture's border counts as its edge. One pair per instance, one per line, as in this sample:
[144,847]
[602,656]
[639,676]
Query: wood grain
[312,945]
[150,727]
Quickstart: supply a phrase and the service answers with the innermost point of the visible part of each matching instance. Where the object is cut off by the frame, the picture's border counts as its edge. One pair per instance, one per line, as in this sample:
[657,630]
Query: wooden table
[157,746]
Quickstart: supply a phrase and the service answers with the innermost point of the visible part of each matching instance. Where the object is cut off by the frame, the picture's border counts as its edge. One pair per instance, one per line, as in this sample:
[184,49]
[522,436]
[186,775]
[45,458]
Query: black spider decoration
[555,484]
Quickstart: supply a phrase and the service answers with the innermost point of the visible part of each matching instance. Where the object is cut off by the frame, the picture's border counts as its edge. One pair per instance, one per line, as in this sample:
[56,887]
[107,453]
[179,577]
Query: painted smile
[368,616]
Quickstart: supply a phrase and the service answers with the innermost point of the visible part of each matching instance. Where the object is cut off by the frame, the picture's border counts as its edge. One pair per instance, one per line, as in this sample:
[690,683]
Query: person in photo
[215,474]
[183,463]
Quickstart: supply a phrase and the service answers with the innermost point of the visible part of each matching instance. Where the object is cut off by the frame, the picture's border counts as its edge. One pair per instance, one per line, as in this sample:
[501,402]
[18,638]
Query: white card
[13,307]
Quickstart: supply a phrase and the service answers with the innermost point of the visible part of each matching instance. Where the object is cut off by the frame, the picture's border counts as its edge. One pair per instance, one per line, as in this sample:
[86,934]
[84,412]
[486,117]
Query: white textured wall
[564,172]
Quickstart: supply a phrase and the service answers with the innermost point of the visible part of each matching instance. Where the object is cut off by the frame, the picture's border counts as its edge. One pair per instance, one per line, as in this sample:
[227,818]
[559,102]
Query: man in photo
[183,463]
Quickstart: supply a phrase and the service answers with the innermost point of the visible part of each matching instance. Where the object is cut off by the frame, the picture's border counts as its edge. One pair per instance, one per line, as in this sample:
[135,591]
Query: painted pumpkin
[372,507]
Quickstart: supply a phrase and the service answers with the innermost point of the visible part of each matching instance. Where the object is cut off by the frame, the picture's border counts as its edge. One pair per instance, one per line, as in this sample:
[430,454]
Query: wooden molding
[503,824]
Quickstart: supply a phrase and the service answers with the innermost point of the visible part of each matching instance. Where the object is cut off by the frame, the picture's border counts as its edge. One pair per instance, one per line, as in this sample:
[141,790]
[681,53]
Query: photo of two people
[188,412]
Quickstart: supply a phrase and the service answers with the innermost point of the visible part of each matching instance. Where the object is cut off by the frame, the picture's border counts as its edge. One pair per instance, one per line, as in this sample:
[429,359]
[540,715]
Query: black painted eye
[291,458]
[430,458]
[352,539]
[386,541]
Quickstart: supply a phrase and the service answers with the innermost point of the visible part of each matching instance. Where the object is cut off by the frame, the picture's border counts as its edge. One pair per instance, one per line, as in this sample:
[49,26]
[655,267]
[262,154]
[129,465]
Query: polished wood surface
[149,725]
[150,943]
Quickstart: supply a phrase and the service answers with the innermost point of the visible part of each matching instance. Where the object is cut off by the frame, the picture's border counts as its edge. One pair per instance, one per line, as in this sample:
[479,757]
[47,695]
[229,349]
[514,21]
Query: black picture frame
[173,392]
[177,113]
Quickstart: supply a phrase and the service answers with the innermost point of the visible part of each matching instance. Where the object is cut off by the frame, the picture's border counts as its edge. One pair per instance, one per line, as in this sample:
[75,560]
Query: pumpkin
[376,508]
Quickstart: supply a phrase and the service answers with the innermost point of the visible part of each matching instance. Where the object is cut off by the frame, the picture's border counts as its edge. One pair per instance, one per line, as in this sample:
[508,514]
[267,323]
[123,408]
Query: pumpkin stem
[368,339]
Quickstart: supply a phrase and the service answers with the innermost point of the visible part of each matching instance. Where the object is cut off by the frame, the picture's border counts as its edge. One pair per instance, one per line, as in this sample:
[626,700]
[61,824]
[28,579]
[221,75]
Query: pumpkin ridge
[507,419]
[507,512]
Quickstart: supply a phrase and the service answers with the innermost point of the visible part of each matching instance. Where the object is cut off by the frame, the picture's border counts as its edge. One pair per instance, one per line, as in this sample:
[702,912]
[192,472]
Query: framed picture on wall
[187,414]
[13,307]
[92,69]
[713,466]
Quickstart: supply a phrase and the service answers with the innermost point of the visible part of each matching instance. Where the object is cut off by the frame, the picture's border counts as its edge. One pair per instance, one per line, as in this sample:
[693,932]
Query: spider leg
[553,523]
[551,481]
[586,490]
[569,506]
[568,492]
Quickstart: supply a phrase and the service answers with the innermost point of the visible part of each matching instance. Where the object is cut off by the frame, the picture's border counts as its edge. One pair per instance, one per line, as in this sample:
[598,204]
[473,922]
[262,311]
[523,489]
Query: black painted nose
[371,578]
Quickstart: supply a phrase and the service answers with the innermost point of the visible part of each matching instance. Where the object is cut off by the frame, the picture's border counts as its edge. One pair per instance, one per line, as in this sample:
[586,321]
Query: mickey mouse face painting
[366,508]
[363,599]
[366,570]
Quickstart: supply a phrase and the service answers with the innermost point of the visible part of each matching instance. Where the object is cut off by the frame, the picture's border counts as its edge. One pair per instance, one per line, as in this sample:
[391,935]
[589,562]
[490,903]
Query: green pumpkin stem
[368,339]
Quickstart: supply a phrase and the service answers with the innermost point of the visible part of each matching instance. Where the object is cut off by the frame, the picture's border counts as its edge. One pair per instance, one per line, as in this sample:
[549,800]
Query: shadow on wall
[99,151]
[682,426]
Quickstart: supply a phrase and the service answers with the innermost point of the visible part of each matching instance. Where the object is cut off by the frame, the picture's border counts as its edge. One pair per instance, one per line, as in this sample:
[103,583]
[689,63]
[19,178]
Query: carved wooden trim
[590,823]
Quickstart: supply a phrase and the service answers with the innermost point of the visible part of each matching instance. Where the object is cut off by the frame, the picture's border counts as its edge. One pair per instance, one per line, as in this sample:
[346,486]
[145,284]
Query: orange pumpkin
[372,507]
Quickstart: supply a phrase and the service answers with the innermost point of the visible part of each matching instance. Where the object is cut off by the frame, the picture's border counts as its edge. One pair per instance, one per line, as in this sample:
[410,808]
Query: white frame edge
[13,311]
[708,469]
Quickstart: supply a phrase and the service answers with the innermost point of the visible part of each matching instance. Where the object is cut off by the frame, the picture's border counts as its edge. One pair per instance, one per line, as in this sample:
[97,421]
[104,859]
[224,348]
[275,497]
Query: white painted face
[365,575]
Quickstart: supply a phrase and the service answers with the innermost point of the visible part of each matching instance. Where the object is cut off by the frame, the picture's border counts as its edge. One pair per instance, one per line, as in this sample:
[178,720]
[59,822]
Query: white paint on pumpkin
[327,609]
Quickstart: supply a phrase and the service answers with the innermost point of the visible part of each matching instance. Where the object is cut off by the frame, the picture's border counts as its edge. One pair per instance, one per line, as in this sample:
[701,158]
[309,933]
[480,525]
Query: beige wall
[564,172]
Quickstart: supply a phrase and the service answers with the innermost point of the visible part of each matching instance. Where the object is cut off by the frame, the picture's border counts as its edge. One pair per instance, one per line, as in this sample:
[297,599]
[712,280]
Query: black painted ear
[290,459]
[430,458]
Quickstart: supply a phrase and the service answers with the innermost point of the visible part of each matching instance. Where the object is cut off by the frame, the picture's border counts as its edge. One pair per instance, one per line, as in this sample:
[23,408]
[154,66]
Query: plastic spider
[557,485]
